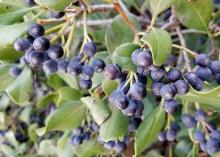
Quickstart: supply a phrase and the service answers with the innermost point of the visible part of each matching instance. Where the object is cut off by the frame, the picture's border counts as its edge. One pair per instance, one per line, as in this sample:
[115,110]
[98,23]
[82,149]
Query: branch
[186,31]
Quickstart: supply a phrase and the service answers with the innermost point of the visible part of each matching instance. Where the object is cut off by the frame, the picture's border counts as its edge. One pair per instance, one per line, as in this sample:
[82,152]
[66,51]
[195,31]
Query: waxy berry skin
[171,135]
[62,66]
[202,60]
[15,71]
[119,99]
[41,44]
[98,65]
[188,120]
[155,88]
[36,58]
[170,106]
[194,81]
[135,54]
[138,91]
[89,49]
[204,74]
[167,91]
[87,72]
[158,74]
[74,67]
[162,136]
[22,45]
[215,67]
[120,147]
[174,74]
[111,71]
[85,84]
[144,58]
[36,30]
[200,115]
[199,136]
[50,66]
[55,51]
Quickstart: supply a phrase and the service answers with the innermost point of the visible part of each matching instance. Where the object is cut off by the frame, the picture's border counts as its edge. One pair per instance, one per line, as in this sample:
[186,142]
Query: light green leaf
[122,56]
[61,143]
[55,81]
[57,5]
[109,86]
[70,80]
[115,127]
[7,7]
[45,100]
[21,89]
[31,132]
[149,129]
[160,44]
[5,78]
[194,14]
[98,109]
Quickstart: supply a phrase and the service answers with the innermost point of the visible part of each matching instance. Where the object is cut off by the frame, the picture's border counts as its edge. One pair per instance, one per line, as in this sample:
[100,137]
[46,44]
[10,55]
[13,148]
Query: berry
[111,71]
[98,65]
[62,66]
[167,91]
[203,146]
[200,115]
[142,79]
[76,140]
[162,136]
[216,1]
[199,136]
[120,147]
[215,67]
[215,134]
[130,110]
[119,99]
[170,135]
[170,106]
[158,74]
[20,137]
[124,88]
[87,72]
[134,123]
[109,145]
[94,127]
[22,45]
[30,2]
[79,130]
[86,136]
[85,84]
[89,49]
[138,91]
[182,87]
[202,60]
[217,78]
[36,30]
[74,67]
[194,81]
[212,146]
[50,66]
[174,75]
[122,77]
[15,71]
[140,108]
[142,70]
[55,51]
[175,126]
[155,88]
[41,44]
[30,39]
[144,58]
[57,14]
[204,74]
[36,58]
[135,54]
[171,61]
[188,120]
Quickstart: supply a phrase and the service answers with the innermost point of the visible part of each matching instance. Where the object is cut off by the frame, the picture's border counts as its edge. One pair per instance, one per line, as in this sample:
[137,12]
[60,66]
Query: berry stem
[55,28]
[185,49]
[69,40]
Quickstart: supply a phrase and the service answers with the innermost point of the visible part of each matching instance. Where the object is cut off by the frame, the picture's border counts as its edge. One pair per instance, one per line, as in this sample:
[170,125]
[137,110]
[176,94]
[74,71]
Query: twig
[185,49]
[186,31]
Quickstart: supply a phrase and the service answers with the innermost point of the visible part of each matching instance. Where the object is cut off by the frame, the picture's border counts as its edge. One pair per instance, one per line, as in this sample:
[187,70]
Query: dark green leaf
[98,109]
[31,132]
[122,56]
[109,86]
[45,100]
[5,78]
[149,129]
[55,81]
[115,127]
[194,14]
[160,44]
[182,148]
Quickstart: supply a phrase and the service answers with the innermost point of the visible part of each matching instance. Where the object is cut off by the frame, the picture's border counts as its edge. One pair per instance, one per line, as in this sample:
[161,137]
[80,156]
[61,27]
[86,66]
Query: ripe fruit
[119,99]
[144,58]
[158,74]
[162,136]
[170,106]
[85,84]
[30,2]
[130,110]
[142,70]
[86,136]
[22,45]
[89,49]
[87,72]
[109,145]
[155,88]
[204,74]
[94,127]
[135,54]
[62,66]
[212,146]
[74,67]
[203,146]
[215,134]
[170,135]
[133,124]
[217,78]
[188,120]
[167,91]
[50,66]
[174,74]
[175,126]
[138,91]
[36,30]
[57,14]
[76,140]
[36,58]
[140,108]
[15,71]
[79,130]
[98,65]
[111,71]
[202,60]
[55,51]
[41,44]
[200,115]
[199,136]
[215,67]
[181,86]
[120,147]
[194,81]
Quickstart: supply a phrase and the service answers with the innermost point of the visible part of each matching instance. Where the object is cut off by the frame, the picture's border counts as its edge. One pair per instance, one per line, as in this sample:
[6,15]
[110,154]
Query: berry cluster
[80,136]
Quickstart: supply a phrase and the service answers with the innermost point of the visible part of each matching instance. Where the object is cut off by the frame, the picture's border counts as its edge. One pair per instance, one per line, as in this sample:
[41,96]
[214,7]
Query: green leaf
[68,116]
[20,90]
[182,148]
[160,44]
[70,80]
[31,132]
[109,86]
[98,109]
[89,148]
[216,155]
[209,99]
[118,33]
[57,5]
[194,14]
[55,81]
[158,6]
[149,129]
[45,100]
[5,78]
[7,7]
[63,140]
[122,56]
[115,127]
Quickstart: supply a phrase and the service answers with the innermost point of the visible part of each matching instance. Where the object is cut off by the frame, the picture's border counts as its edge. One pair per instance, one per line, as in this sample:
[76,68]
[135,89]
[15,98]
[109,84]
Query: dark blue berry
[111,71]
[122,77]
[79,130]
[158,74]
[119,99]
[171,61]
[174,74]
[215,67]
[203,146]
[140,108]
[57,14]
[202,60]
[170,106]
[62,66]
[168,92]
[155,88]
[194,81]
[133,124]
[142,79]
[76,140]
[94,127]
[199,136]
[89,49]
[200,115]
[120,147]
[15,71]
[142,70]
[30,2]
[85,84]
[74,67]
[135,54]
[171,135]
[55,51]
[188,120]
[30,39]
[212,146]
[86,136]
[162,136]
[217,78]
[204,74]
[182,87]
[175,126]
[36,30]
[41,44]
[50,66]
[98,65]
[36,58]
[87,72]
[109,145]
[22,45]
[138,91]
[144,58]
[124,88]
[216,1]
[20,137]
[215,134]
[130,110]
